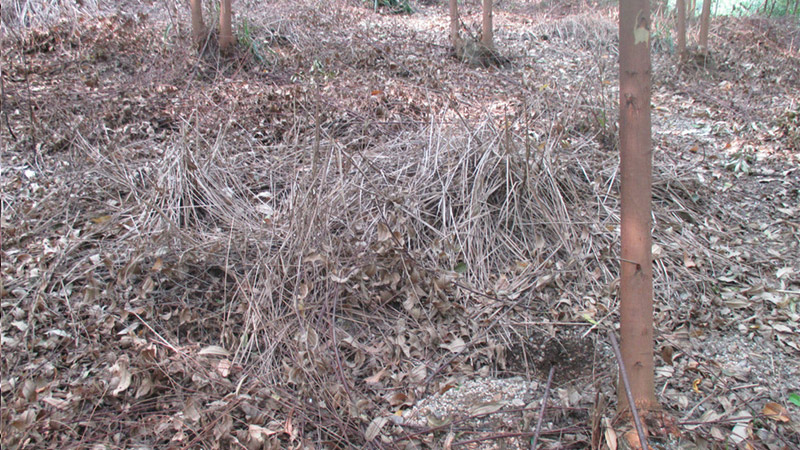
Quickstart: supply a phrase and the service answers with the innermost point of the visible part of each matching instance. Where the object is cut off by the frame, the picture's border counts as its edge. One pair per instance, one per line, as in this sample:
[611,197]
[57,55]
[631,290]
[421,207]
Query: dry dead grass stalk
[306,256]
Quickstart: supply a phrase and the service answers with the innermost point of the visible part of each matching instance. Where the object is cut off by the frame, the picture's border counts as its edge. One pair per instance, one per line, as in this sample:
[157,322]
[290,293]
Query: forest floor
[341,236]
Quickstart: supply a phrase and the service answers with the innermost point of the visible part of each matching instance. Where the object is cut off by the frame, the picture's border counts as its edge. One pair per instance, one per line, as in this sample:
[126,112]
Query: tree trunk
[487,37]
[636,279]
[198,27]
[705,18]
[455,36]
[680,8]
[225,33]
[691,7]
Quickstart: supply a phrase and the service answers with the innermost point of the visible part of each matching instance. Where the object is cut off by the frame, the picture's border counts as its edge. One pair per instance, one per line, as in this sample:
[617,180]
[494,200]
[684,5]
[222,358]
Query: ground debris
[340,236]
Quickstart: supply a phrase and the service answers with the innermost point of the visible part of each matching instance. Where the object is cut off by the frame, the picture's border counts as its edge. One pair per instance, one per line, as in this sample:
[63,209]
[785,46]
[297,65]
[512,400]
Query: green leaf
[794,397]
[589,319]
[461,267]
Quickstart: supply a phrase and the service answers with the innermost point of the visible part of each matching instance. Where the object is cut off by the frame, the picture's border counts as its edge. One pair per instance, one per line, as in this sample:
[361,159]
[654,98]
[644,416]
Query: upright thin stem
[624,376]
[542,408]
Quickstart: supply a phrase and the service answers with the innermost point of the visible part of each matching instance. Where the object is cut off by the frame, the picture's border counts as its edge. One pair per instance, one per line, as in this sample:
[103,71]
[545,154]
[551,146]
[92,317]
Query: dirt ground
[341,236]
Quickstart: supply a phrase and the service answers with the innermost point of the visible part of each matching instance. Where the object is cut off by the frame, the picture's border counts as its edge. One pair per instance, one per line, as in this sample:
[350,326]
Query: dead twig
[541,410]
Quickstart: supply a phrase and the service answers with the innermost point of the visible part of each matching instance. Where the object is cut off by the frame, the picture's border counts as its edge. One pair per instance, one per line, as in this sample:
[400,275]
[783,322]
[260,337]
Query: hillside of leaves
[295,245]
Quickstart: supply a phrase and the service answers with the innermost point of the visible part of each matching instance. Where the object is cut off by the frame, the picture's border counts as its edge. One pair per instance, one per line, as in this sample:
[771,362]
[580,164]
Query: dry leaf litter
[342,237]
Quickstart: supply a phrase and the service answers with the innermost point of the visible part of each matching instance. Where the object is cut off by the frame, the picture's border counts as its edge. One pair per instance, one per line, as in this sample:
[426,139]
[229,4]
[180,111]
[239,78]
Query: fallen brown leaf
[776,412]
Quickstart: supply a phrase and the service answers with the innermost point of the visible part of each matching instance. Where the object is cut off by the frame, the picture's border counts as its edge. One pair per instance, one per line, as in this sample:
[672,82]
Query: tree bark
[225,33]
[705,19]
[198,27]
[487,36]
[680,8]
[455,37]
[691,7]
[636,279]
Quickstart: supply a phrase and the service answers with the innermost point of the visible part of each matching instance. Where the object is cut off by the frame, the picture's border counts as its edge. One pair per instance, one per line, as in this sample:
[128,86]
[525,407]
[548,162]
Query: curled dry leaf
[122,377]
[486,408]
[384,234]
[688,262]
[223,426]
[398,399]
[259,434]
[544,281]
[374,428]
[290,429]
[632,439]
[191,411]
[22,421]
[58,403]
[224,367]
[314,257]
[609,434]
[213,350]
[448,441]
[457,345]
[743,429]
[374,379]
[145,386]
[28,390]
[303,291]
[418,373]
[776,412]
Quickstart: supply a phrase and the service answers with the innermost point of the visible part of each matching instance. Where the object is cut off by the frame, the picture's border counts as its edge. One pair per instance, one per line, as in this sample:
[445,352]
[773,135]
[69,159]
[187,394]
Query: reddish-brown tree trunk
[691,7]
[455,37]
[225,33]
[705,19]
[680,9]
[636,274]
[487,35]
[198,27]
